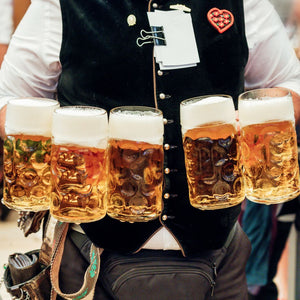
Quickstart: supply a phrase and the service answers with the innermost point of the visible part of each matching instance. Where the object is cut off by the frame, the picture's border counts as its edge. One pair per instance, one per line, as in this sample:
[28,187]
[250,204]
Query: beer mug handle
[91,275]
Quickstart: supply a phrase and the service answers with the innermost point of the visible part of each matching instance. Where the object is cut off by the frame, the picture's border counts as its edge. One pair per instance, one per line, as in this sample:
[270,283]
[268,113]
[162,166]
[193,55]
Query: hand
[2,121]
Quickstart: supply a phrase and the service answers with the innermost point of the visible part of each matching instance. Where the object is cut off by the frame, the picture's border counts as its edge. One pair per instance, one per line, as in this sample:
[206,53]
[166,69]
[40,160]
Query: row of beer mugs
[83,166]
[59,158]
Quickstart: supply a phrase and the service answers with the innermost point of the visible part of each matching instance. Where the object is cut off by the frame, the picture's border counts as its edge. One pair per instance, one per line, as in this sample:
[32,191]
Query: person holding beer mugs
[97,53]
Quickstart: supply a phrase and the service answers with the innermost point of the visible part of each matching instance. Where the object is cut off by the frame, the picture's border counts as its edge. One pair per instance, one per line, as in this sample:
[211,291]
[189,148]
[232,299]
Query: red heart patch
[221,19]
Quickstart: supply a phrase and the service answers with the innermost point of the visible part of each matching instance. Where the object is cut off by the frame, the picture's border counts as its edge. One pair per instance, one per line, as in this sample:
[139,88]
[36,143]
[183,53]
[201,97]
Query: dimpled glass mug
[26,155]
[211,151]
[78,164]
[135,163]
[269,145]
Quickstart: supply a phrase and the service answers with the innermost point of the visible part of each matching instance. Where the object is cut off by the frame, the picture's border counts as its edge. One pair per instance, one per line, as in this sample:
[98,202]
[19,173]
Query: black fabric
[103,66]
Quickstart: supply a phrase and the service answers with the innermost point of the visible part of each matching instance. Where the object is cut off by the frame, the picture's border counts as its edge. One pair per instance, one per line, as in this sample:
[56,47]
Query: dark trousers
[230,280]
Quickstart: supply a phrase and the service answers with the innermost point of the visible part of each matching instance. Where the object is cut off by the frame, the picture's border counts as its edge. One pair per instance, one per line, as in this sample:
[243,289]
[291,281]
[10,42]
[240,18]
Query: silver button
[167,171]
[165,121]
[162,96]
[164,217]
[166,146]
[166,195]
[155,5]
[160,72]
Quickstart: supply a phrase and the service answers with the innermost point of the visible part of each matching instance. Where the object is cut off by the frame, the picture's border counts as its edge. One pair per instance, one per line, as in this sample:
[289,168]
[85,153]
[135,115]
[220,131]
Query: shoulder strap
[91,275]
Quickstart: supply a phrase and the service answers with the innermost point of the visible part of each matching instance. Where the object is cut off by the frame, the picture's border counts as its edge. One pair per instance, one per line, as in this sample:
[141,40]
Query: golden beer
[26,155]
[135,164]
[79,183]
[78,164]
[269,147]
[211,150]
[26,166]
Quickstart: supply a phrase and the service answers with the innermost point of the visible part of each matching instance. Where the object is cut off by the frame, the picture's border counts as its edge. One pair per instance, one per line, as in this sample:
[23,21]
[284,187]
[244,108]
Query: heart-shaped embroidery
[221,19]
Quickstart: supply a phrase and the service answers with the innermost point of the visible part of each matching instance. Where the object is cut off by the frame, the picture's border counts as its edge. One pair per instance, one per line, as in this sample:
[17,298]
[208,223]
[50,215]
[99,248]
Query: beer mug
[269,145]
[26,153]
[135,163]
[211,153]
[78,164]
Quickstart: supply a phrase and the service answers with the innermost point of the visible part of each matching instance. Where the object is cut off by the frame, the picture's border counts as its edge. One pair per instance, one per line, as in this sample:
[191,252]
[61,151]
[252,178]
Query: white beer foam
[207,110]
[30,116]
[257,111]
[142,126]
[81,126]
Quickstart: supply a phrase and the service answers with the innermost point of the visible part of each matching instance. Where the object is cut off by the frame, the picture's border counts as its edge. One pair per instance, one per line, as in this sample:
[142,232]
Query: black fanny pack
[155,274]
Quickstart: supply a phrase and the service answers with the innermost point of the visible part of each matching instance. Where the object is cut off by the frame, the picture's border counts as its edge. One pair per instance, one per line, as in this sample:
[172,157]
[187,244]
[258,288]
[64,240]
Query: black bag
[159,275]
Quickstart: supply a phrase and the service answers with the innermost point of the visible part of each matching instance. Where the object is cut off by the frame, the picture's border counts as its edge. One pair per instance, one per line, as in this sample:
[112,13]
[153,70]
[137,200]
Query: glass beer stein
[210,146]
[269,145]
[135,158]
[78,164]
[26,155]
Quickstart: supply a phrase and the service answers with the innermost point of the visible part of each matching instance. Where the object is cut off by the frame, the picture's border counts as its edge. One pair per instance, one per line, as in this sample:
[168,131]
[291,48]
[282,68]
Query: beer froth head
[265,105]
[136,123]
[80,125]
[30,116]
[203,110]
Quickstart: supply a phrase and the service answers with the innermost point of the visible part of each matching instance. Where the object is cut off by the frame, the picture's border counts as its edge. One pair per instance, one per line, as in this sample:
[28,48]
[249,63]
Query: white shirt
[31,66]
[6,21]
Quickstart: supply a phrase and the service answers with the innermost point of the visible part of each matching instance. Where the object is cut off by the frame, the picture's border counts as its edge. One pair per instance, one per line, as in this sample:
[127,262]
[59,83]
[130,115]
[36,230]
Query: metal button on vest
[166,195]
[164,217]
[167,171]
[155,5]
[160,73]
[165,121]
[166,146]
[162,96]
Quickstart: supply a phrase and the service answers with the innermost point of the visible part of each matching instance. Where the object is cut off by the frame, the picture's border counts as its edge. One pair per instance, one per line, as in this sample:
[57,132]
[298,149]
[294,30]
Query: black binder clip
[156,36]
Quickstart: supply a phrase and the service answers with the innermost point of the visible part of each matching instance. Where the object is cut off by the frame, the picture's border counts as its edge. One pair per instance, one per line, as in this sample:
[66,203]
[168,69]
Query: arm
[31,66]
[272,60]
[6,26]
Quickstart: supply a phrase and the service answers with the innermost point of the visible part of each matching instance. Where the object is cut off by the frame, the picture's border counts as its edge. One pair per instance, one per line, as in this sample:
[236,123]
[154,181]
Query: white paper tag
[180,49]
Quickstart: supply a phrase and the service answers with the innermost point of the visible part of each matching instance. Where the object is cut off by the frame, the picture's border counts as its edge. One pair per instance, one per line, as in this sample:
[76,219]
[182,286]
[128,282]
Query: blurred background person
[269,238]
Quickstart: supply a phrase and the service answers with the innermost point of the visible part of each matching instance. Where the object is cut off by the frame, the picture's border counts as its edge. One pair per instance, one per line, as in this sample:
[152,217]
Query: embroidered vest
[103,66]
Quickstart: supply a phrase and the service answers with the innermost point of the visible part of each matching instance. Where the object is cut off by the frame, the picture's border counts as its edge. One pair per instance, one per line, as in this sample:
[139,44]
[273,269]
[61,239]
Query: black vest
[103,66]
